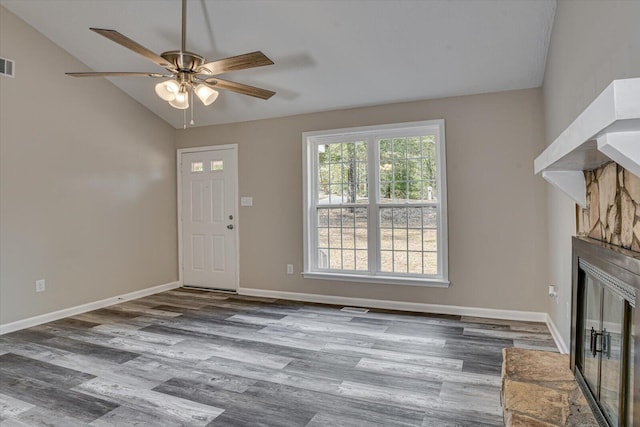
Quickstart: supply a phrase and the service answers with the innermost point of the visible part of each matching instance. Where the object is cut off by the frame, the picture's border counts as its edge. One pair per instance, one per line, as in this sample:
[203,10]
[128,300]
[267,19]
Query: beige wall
[496,205]
[87,184]
[592,43]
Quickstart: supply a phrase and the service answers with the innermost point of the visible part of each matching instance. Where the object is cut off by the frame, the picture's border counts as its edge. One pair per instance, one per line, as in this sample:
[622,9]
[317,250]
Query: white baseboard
[72,311]
[527,316]
[557,336]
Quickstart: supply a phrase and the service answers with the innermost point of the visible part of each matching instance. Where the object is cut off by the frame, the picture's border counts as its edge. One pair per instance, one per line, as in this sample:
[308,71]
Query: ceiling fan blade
[240,62]
[134,46]
[117,74]
[217,83]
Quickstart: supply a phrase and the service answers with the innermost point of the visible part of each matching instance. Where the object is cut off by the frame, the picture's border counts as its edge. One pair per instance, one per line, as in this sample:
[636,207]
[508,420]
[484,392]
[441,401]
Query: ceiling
[328,54]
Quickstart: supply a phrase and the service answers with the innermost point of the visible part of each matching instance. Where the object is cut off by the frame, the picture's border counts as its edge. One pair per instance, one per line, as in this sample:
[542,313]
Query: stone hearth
[539,389]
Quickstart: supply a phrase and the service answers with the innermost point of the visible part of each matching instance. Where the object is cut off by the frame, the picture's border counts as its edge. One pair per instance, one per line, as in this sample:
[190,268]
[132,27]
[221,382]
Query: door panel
[217,193]
[218,258]
[197,195]
[197,245]
[209,218]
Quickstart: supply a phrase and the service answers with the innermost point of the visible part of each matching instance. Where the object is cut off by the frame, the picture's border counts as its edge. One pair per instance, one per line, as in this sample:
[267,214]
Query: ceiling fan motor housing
[184,61]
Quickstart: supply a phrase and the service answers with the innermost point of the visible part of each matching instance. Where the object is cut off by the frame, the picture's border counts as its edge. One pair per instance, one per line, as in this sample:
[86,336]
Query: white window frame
[310,142]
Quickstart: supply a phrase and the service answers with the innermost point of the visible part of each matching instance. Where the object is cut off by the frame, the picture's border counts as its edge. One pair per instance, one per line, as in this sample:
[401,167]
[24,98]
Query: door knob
[230,226]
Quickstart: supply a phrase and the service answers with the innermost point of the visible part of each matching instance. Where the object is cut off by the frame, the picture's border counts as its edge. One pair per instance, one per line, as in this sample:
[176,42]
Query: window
[197,167]
[375,204]
[217,165]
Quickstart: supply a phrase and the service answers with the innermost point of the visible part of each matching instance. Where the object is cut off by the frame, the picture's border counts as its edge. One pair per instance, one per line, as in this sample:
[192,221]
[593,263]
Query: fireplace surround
[604,325]
[605,275]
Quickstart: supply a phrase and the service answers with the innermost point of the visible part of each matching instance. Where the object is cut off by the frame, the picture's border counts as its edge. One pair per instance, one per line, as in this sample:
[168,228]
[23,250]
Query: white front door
[209,218]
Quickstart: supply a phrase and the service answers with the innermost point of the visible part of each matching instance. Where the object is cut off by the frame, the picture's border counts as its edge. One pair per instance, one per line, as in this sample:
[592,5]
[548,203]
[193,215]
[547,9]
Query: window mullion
[373,232]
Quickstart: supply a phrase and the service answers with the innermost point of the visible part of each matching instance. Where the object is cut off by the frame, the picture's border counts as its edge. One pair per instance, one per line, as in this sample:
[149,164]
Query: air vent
[358,310]
[7,67]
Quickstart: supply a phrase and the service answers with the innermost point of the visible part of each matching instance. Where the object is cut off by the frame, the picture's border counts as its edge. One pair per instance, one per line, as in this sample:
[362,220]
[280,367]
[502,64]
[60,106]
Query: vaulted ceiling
[328,54]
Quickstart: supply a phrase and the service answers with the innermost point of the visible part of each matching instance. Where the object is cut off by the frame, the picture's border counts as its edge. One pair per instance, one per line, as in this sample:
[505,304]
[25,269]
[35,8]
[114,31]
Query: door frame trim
[208,148]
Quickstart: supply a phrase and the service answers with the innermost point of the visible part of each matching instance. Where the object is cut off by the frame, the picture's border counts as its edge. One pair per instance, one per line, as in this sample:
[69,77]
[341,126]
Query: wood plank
[67,403]
[174,408]
[30,368]
[240,409]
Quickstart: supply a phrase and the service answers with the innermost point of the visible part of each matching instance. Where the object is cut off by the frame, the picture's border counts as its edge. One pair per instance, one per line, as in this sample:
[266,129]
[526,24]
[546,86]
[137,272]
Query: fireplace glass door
[611,355]
[605,285]
[602,346]
[592,323]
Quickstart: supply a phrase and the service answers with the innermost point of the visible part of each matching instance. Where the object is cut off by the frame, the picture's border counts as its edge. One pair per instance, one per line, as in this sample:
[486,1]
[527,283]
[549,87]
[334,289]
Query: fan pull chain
[184,119]
[193,101]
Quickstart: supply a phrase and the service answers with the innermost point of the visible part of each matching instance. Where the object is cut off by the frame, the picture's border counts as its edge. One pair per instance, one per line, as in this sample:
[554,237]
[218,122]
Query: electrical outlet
[289,268]
[40,285]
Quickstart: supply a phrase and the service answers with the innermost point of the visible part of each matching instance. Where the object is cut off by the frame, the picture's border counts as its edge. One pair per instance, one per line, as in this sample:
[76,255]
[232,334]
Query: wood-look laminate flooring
[195,358]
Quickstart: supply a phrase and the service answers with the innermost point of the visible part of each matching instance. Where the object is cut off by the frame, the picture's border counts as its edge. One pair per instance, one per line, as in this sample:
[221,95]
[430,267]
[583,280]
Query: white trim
[572,183]
[615,109]
[385,129]
[608,129]
[557,336]
[179,202]
[622,148]
[72,311]
[380,279]
[525,316]
[443,227]
[307,220]
[208,148]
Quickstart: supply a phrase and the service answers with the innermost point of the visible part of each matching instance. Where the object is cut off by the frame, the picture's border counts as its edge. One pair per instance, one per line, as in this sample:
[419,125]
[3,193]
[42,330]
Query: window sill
[385,280]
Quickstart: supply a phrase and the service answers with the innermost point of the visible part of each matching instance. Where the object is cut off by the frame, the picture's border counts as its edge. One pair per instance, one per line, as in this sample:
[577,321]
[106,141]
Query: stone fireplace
[606,278]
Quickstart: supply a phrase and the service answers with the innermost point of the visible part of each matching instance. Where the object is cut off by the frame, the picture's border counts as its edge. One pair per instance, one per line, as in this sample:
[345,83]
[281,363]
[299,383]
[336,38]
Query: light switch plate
[246,201]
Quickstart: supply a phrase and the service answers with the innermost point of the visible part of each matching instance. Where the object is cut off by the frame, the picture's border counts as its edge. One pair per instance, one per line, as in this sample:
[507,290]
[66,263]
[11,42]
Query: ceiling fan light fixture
[168,90]
[181,101]
[206,94]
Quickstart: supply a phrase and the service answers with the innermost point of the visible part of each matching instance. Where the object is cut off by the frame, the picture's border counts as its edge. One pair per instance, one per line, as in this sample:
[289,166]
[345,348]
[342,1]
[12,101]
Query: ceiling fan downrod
[184,26]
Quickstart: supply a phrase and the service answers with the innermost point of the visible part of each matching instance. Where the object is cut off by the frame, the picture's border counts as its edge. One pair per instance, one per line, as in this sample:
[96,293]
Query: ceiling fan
[190,74]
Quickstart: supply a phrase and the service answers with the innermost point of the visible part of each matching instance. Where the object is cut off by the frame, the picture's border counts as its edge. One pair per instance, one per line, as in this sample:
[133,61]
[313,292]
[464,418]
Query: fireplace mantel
[608,129]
